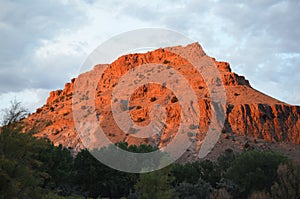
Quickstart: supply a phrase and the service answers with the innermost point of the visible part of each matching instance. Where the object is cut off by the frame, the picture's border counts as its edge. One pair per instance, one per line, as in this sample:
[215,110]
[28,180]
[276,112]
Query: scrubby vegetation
[35,168]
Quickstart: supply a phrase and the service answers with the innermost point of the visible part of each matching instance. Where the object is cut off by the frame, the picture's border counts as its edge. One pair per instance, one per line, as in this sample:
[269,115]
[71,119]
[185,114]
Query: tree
[155,185]
[287,184]
[185,173]
[201,189]
[19,169]
[209,172]
[220,194]
[57,162]
[96,179]
[14,113]
[254,170]
[260,195]
[226,159]
[191,172]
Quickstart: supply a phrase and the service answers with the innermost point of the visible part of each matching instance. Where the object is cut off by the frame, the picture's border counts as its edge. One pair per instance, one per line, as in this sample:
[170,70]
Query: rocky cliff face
[272,122]
[249,112]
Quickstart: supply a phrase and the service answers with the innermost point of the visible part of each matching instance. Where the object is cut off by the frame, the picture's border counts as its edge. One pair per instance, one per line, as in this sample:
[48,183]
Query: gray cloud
[268,31]
[44,44]
[23,26]
[256,37]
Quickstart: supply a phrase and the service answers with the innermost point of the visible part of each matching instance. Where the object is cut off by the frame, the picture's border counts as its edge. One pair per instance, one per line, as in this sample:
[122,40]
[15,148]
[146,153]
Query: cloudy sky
[43,44]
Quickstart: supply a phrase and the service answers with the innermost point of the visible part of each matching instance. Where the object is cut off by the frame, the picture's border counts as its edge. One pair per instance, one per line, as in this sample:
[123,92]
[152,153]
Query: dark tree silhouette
[14,113]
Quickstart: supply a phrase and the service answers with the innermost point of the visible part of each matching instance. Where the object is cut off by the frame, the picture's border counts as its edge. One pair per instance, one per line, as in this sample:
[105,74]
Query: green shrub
[254,170]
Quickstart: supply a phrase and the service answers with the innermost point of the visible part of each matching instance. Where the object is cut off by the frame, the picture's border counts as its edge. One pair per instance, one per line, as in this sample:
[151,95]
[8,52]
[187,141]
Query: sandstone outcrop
[249,112]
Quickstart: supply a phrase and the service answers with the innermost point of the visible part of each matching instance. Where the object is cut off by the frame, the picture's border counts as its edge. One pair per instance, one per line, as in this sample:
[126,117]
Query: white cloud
[30,98]
[44,44]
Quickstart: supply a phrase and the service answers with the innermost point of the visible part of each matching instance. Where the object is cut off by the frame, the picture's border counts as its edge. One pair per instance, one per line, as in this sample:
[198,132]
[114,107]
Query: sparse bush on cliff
[166,61]
[174,99]
[140,119]
[39,110]
[152,99]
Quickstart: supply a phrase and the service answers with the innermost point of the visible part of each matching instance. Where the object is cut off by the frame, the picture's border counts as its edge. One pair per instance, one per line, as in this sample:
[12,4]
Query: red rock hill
[249,112]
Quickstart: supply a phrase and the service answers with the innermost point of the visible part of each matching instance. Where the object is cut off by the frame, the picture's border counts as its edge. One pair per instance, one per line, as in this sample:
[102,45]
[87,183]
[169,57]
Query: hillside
[248,112]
